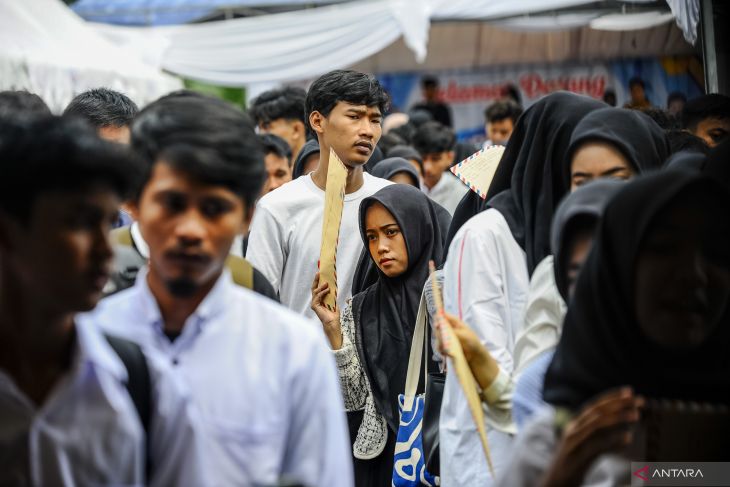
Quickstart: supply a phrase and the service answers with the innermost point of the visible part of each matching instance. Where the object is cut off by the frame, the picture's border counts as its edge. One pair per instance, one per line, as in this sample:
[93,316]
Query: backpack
[139,385]
[128,260]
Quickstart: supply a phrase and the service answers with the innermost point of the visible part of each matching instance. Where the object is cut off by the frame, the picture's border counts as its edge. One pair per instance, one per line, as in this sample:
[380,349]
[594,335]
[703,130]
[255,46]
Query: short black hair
[674,96]
[347,86]
[21,103]
[273,144]
[53,153]
[501,110]
[102,107]
[286,103]
[390,140]
[703,107]
[429,82]
[433,138]
[662,117]
[636,81]
[206,137]
[682,140]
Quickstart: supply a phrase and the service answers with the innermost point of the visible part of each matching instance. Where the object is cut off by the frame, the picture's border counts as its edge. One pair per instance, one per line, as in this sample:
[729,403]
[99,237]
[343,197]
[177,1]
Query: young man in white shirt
[66,416]
[435,143]
[345,110]
[261,376]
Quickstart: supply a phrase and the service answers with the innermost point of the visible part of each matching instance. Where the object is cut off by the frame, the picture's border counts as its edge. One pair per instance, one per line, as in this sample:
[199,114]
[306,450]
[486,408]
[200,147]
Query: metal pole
[709,51]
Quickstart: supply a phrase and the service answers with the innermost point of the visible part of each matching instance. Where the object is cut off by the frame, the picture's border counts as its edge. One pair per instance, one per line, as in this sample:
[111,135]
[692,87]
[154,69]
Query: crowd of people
[163,321]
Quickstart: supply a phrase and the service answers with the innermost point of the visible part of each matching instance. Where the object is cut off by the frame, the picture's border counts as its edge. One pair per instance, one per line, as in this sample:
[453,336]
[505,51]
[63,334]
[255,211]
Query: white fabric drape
[259,51]
[50,51]
[280,47]
[687,13]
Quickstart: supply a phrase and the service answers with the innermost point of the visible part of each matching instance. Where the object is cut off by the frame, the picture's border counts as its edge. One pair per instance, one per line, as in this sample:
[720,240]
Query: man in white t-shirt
[435,142]
[344,109]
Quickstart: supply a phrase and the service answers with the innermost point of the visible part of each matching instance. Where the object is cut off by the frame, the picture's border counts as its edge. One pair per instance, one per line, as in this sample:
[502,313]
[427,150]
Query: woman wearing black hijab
[372,336]
[487,273]
[650,319]
[540,139]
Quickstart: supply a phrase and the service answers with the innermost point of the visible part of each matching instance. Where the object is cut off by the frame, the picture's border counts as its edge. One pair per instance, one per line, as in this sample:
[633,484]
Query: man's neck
[296,150]
[355,177]
[176,310]
[36,341]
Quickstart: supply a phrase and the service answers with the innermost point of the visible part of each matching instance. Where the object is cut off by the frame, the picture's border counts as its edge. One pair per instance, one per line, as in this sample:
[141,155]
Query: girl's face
[682,274]
[596,159]
[385,241]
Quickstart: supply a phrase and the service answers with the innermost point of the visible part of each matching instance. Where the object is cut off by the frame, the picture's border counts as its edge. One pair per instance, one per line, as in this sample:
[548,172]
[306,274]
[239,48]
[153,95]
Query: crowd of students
[592,280]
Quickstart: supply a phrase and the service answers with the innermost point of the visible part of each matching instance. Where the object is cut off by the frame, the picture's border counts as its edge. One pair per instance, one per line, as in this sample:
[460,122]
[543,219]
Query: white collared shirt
[88,431]
[448,192]
[261,376]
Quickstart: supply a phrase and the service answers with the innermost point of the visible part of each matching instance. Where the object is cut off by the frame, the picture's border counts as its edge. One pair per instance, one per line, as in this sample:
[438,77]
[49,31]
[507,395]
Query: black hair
[207,138]
[429,82]
[503,109]
[102,107]
[682,140]
[273,144]
[347,86]
[433,138]
[390,140]
[674,96]
[14,104]
[703,107]
[286,103]
[636,81]
[662,117]
[511,91]
[607,94]
[53,153]
[419,116]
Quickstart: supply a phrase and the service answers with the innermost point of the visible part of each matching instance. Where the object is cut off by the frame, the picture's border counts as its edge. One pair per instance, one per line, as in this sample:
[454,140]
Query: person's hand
[603,426]
[330,319]
[481,362]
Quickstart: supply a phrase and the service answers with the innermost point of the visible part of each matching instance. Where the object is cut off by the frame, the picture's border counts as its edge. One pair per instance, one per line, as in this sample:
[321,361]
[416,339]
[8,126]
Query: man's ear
[300,130]
[317,121]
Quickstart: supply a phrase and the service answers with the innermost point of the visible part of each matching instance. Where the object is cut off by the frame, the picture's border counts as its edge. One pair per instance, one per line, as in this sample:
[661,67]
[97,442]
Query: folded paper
[477,170]
[334,201]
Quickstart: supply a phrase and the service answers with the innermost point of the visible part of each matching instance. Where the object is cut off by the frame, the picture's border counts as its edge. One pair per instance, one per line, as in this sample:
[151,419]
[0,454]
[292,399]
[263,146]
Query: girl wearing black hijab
[650,319]
[487,273]
[609,143]
[540,139]
[371,337]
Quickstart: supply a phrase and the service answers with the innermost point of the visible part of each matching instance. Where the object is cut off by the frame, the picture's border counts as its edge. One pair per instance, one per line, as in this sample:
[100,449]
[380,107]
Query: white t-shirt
[286,235]
[447,192]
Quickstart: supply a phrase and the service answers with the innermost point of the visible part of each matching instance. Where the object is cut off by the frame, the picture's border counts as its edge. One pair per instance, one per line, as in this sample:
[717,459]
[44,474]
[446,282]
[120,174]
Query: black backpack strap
[138,384]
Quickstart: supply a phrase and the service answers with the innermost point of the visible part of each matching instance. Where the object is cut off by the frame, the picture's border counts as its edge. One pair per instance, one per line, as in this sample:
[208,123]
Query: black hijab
[602,346]
[581,208]
[385,313]
[310,147]
[638,137]
[387,168]
[532,176]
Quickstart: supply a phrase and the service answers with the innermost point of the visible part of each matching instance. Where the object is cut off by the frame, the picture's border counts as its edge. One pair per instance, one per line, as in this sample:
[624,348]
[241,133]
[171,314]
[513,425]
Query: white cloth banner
[50,51]
[279,47]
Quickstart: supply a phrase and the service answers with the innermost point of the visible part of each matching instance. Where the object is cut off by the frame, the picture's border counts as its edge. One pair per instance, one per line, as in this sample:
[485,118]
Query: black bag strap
[138,385]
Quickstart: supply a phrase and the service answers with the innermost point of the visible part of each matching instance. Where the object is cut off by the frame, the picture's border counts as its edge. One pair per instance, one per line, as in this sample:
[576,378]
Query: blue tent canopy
[172,12]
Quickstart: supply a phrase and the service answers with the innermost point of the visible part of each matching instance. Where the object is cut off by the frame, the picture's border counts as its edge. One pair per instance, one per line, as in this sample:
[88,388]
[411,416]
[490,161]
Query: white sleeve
[474,290]
[318,448]
[544,316]
[175,434]
[266,246]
